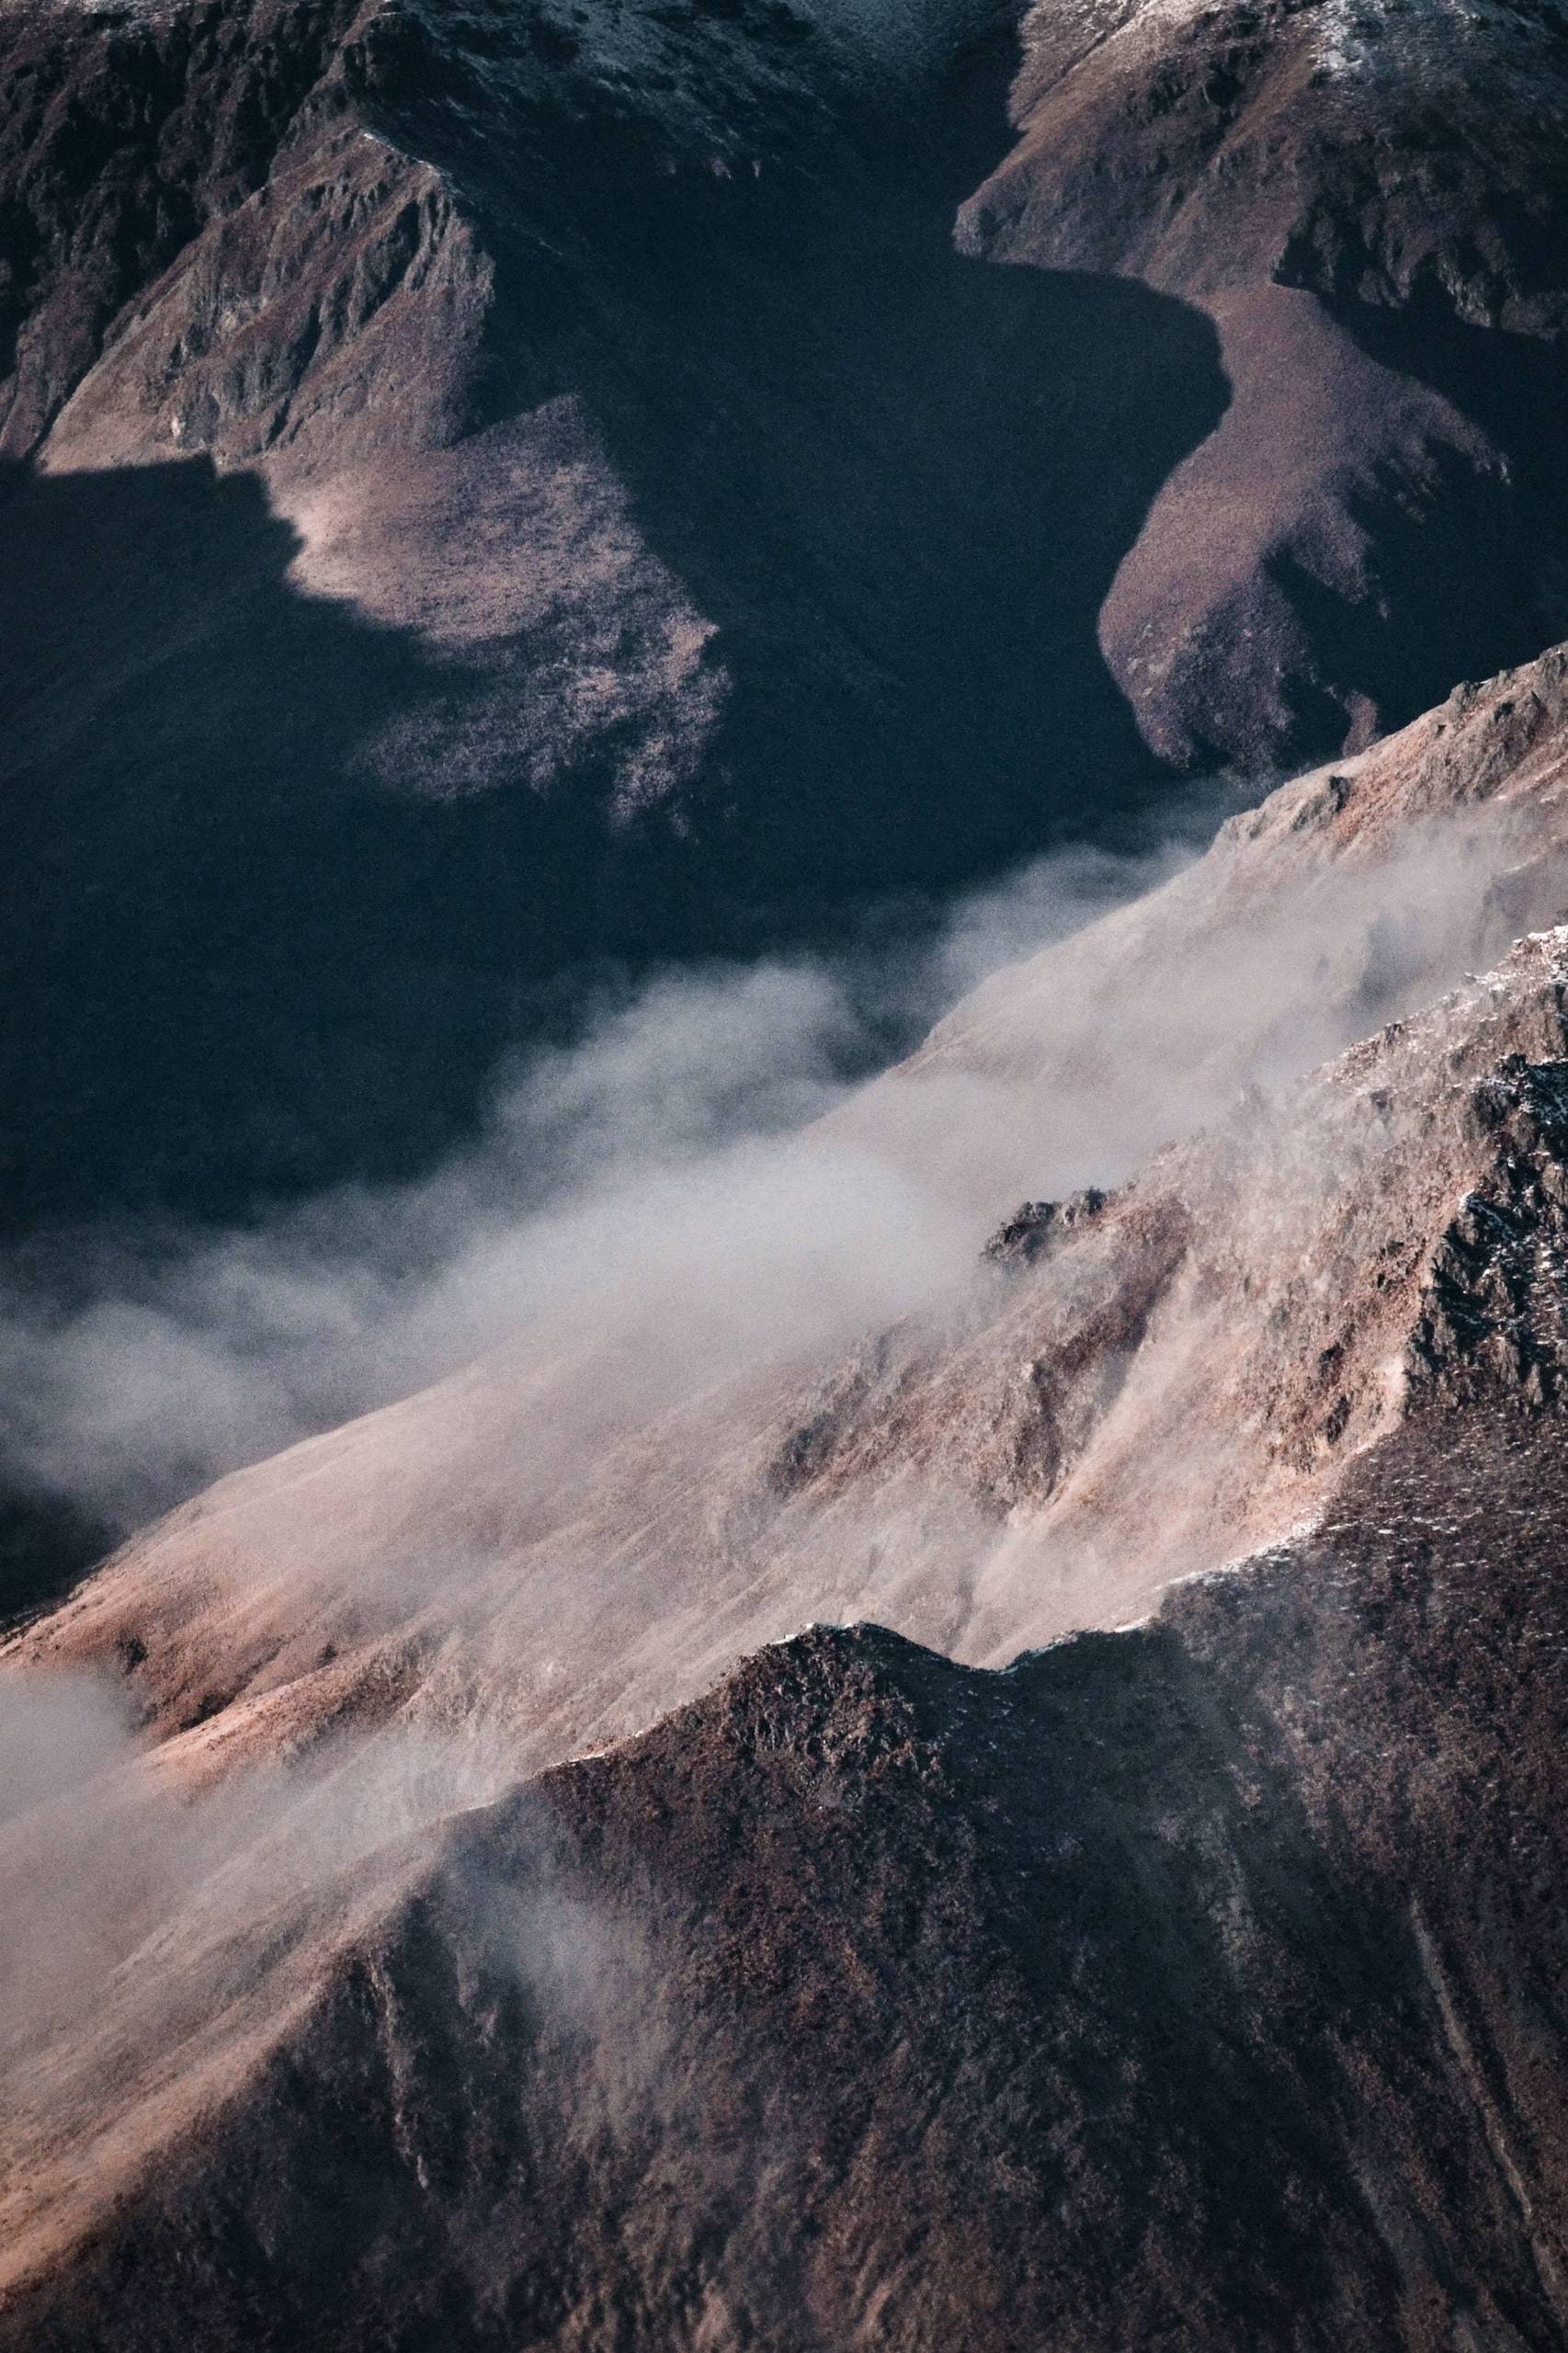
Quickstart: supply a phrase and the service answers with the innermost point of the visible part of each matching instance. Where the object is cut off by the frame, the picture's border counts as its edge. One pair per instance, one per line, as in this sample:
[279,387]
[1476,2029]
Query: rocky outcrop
[1031,1230]
[1494,1317]
[123,137]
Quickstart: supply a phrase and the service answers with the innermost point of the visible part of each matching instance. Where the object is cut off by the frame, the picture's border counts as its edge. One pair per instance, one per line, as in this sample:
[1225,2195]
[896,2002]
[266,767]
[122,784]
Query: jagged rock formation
[1201,1985]
[1028,1236]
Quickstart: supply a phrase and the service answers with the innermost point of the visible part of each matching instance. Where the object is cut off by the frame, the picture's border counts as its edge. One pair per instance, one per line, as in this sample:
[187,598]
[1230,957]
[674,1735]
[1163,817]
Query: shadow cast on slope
[230,971]
[899,484]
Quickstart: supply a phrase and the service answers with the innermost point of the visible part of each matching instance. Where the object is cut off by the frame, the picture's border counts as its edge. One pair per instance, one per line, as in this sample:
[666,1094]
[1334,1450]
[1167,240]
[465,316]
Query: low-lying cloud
[696,1187]
[651,1193]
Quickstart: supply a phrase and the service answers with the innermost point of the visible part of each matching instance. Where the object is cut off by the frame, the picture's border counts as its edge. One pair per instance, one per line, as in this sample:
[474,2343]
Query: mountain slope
[649,516]
[1196,1985]
[1371,204]
[1019,1454]
[494,488]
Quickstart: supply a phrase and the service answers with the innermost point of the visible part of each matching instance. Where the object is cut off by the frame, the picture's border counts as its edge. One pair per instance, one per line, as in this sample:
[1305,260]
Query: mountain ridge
[790,1950]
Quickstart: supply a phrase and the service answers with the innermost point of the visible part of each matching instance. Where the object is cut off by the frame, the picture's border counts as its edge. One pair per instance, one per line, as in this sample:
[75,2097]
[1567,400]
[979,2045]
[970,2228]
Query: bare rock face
[111,160]
[1199,1985]
[1371,204]
[254,229]
[1362,153]
[1494,1315]
[1037,1225]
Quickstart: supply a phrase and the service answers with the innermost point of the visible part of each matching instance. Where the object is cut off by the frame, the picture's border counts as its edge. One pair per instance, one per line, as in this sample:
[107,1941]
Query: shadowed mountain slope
[641,534]
[506,493]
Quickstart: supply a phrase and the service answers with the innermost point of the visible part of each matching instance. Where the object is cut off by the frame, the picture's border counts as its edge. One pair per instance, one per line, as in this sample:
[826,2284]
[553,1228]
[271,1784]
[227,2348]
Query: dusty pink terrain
[1201,1985]
[1185,1949]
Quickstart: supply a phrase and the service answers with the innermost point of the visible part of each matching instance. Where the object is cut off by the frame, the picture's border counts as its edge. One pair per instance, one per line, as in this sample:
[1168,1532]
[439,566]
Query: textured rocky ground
[1369,202]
